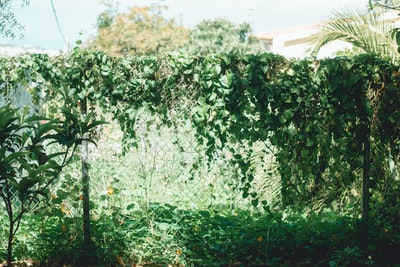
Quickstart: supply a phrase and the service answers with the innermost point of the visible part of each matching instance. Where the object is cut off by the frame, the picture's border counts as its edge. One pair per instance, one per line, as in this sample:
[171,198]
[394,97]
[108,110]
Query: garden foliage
[315,116]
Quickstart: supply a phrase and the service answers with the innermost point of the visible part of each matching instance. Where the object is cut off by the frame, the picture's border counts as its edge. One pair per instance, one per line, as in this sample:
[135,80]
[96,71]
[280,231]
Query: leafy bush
[179,202]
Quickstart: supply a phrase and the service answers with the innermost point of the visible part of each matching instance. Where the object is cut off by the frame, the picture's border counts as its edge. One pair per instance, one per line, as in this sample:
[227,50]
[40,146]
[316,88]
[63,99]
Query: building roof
[270,35]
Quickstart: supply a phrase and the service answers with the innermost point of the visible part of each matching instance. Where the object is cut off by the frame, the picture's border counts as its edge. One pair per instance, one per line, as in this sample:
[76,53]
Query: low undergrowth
[207,238]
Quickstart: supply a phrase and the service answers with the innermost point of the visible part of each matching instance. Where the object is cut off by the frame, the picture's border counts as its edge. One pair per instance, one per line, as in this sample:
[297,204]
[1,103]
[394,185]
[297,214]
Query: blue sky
[78,17]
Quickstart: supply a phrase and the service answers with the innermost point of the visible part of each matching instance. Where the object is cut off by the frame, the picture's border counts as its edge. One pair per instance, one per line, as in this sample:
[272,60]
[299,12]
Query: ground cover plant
[224,160]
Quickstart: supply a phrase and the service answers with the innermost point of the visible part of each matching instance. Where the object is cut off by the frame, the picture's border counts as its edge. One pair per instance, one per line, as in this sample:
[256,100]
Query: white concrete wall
[7,50]
[294,42]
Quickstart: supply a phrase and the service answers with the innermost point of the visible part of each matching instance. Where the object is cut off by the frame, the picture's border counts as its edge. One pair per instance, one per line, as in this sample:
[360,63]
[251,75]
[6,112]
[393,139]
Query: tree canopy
[387,4]
[221,36]
[9,25]
[140,31]
[143,31]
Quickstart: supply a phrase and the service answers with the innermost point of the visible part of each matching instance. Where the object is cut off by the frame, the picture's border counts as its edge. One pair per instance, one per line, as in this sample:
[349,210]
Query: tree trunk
[10,241]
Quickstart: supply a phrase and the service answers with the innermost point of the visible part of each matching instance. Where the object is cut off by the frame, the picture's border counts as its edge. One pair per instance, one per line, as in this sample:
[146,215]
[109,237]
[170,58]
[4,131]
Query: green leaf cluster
[313,112]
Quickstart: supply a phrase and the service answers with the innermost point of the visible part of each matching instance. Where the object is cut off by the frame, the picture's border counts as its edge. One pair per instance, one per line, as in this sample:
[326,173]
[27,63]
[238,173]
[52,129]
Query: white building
[8,50]
[296,42]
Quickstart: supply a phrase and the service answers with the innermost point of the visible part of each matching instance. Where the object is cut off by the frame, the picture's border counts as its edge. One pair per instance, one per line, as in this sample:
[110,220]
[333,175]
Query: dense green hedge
[315,113]
[333,124]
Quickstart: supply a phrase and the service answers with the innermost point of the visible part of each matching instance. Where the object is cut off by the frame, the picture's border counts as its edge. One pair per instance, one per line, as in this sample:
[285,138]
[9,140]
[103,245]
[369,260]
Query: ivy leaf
[254,202]
[288,114]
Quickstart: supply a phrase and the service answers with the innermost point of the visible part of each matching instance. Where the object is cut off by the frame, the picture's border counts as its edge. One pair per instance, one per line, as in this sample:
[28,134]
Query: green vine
[313,112]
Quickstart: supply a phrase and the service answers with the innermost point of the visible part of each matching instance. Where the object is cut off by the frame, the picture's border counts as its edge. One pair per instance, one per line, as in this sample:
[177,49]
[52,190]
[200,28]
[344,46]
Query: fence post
[365,187]
[87,253]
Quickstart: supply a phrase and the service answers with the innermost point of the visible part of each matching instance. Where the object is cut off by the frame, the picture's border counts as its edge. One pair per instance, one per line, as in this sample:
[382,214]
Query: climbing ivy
[315,113]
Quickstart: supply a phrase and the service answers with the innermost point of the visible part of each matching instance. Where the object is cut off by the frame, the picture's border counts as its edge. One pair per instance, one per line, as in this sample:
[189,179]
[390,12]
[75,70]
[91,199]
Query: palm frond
[267,179]
[367,30]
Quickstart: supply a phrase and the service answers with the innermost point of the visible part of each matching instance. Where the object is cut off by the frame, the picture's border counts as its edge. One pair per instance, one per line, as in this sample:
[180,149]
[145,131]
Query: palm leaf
[267,179]
[367,30]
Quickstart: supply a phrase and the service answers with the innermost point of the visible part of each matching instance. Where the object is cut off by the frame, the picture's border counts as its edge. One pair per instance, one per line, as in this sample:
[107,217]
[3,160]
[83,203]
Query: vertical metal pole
[86,257]
[365,189]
